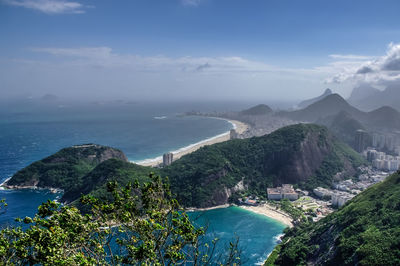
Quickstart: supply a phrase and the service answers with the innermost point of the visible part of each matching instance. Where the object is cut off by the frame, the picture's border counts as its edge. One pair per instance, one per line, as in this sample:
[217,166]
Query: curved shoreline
[270,212]
[264,210]
[240,127]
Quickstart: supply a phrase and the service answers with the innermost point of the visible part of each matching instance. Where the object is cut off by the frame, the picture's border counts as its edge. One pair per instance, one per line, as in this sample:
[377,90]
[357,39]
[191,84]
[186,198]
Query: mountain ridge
[308,102]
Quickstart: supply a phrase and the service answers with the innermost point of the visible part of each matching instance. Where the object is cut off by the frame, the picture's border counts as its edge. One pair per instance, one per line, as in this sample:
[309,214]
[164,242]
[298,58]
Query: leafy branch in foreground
[140,224]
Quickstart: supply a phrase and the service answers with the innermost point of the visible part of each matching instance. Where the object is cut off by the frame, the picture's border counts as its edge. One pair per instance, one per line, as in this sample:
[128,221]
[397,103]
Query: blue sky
[200,49]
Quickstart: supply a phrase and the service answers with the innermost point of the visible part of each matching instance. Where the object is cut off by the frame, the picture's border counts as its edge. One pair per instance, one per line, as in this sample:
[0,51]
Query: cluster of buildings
[286,191]
[381,141]
[382,161]
[345,190]
[251,201]
[338,198]
[387,141]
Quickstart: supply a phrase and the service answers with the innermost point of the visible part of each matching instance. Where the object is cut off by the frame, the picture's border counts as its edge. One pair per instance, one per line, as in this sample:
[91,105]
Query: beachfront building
[286,191]
[168,158]
[233,134]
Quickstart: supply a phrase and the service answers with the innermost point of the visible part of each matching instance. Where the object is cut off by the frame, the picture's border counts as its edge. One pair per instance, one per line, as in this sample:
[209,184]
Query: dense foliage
[64,169]
[112,170]
[200,178]
[303,154]
[366,231]
[140,225]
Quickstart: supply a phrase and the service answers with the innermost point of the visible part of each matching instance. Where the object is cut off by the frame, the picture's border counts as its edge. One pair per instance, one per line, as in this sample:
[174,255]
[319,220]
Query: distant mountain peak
[308,102]
[327,106]
[260,109]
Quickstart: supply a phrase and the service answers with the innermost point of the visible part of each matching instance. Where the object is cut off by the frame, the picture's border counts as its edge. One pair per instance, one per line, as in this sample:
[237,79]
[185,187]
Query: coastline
[209,208]
[240,127]
[264,209]
[271,212]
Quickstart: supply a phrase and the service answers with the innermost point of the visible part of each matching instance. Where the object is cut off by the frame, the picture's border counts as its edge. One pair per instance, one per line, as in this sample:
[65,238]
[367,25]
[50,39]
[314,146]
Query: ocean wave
[148,161]
[2,184]
[160,117]
[278,238]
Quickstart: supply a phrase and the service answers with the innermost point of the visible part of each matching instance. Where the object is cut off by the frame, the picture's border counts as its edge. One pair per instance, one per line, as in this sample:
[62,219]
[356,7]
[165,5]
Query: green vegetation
[366,231]
[108,171]
[66,168]
[201,178]
[302,154]
[140,225]
[293,211]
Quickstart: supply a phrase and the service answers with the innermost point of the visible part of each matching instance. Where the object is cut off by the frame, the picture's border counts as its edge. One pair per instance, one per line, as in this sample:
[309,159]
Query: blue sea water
[29,133]
[257,233]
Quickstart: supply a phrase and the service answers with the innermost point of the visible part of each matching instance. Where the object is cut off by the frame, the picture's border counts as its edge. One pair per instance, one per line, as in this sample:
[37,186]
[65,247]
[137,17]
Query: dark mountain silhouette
[328,106]
[374,98]
[308,102]
[362,92]
[260,109]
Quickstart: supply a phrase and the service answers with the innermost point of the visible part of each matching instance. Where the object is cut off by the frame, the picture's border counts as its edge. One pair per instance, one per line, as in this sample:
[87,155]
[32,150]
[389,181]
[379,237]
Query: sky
[254,50]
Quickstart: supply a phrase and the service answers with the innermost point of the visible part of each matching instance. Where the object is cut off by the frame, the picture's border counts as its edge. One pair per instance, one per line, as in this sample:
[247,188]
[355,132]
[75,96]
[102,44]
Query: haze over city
[196,49]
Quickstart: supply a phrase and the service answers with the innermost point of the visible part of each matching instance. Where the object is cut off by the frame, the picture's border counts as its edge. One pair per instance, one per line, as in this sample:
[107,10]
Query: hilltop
[366,231]
[260,109]
[308,102]
[303,154]
[328,106]
[344,126]
[64,169]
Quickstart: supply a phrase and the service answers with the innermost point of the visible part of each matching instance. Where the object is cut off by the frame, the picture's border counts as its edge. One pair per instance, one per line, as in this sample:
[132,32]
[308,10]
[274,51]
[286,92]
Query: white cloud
[105,57]
[49,6]
[350,57]
[374,70]
[191,2]
[88,69]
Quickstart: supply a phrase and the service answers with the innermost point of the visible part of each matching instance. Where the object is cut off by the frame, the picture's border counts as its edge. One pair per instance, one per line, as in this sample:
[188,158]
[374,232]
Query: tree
[140,224]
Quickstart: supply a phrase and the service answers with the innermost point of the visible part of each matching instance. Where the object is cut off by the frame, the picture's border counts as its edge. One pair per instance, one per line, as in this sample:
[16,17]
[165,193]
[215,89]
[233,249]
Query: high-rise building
[361,140]
[233,134]
[168,158]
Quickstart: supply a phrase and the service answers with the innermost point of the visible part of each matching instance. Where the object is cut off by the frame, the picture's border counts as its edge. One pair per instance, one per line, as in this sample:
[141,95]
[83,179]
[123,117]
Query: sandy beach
[271,212]
[209,208]
[265,209]
[240,127]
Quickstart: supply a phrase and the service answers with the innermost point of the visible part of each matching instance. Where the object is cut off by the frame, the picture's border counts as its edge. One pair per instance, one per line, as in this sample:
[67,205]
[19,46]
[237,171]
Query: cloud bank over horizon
[379,71]
[50,7]
[82,70]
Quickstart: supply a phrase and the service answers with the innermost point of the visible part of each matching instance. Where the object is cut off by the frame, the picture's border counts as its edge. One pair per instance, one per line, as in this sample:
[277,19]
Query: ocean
[142,131]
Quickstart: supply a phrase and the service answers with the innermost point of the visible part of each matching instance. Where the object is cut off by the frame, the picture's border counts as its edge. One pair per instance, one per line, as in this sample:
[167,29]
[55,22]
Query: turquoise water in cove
[257,233]
[31,132]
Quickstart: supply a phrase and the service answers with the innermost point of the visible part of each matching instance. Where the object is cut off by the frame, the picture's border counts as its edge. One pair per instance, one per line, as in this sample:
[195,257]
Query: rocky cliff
[302,154]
